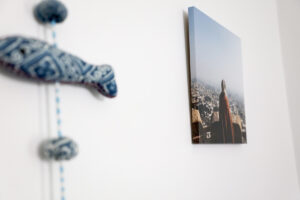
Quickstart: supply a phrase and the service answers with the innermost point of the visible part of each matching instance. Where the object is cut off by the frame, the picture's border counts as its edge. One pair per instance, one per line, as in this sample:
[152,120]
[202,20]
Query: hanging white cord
[58,118]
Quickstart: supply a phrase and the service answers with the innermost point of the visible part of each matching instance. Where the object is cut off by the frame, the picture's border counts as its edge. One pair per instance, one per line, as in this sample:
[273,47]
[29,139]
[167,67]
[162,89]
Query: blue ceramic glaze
[59,149]
[40,61]
[50,10]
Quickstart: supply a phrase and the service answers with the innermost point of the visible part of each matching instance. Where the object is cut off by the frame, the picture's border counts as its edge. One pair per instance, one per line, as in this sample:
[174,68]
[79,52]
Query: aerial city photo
[216,82]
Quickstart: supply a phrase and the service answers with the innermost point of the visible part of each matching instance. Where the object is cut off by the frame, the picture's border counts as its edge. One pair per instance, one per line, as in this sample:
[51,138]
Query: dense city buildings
[206,124]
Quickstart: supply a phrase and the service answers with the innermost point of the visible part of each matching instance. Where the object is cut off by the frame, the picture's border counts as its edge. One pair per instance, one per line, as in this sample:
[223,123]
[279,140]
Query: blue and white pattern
[38,60]
[49,11]
[59,149]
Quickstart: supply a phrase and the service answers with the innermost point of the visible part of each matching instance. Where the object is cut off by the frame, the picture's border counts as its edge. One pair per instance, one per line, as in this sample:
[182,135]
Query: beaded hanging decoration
[38,60]
[99,77]
[60,148]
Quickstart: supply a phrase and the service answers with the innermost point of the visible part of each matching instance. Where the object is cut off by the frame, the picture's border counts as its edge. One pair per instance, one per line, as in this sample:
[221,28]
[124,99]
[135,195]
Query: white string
[58,118]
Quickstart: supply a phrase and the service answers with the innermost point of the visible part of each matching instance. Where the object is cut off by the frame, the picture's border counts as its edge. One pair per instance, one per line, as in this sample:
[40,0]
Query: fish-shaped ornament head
[44,62]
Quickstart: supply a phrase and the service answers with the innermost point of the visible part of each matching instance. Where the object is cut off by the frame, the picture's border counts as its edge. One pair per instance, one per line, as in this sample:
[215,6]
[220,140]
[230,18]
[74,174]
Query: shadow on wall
[289,29]
[187,54]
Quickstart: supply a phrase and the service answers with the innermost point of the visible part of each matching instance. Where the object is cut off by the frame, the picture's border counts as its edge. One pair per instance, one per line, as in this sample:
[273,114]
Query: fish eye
[22,51]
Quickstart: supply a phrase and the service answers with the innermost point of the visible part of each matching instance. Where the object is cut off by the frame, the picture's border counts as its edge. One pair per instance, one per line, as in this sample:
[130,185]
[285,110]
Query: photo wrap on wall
[216,81]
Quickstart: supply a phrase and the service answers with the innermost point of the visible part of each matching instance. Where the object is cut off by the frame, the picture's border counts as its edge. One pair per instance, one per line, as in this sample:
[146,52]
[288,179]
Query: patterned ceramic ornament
[59,149]
[38,60]
[49,11]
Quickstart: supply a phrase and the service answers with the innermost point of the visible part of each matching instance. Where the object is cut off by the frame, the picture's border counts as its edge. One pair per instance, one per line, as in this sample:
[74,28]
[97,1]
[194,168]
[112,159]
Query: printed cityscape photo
[217,96]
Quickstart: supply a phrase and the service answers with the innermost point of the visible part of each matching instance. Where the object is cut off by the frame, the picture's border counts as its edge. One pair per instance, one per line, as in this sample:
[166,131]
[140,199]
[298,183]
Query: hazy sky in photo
[215,53]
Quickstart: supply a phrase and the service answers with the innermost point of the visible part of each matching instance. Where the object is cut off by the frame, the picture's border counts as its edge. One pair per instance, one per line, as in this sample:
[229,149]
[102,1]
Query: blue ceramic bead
[50,10]
[61,148]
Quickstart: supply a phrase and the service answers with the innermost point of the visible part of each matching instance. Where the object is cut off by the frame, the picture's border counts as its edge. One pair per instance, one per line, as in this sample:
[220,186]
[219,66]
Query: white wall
[289,18]
[138,145]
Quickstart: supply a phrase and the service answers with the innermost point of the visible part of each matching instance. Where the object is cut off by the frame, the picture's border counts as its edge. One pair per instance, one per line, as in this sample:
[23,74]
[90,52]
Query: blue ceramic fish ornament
[38,60]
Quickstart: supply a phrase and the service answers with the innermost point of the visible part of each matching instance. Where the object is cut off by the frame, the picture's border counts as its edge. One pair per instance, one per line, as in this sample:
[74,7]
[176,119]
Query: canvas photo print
[216,81]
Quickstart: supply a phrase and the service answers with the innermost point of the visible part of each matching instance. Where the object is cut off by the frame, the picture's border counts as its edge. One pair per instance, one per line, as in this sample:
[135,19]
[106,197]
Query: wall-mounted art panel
[216,75]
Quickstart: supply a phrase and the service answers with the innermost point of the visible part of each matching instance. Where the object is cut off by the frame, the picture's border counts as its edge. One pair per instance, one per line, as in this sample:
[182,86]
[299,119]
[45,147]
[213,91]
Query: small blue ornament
[59,149]
[50,11]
